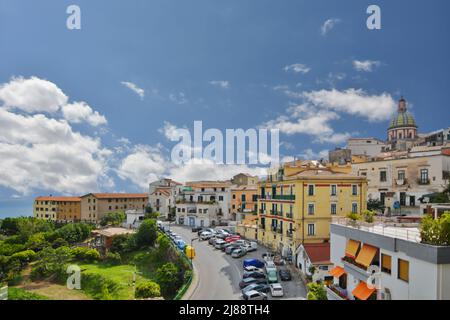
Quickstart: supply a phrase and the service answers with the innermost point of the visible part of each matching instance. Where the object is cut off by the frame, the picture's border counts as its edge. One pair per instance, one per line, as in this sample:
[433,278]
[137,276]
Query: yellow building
[57,208]
[95,205]
[244,202]
[297,207]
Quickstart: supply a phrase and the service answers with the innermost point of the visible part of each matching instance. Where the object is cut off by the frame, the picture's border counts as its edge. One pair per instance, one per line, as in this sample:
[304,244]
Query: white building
[401,179]
[366,146]
[313,259]
[134,218]
[162,196]
[204,203]
[405,268]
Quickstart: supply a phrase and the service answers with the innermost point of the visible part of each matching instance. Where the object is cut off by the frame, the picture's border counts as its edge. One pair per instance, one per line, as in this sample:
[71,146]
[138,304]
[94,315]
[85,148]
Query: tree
[74,232]
[148,289]
[113,218]
[168,279]
[36,242]
[85,254]
[51,263]
[375,205]
[316,291]
[24,257]
[121,243]
[152,215]
[147,233]
[113,258]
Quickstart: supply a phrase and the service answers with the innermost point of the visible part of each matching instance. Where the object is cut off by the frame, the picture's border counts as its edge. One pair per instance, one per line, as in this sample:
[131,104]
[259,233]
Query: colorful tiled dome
[403,119]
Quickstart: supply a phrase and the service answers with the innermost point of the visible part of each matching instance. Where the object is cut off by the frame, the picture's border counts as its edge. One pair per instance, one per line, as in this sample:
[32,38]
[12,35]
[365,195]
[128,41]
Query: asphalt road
[219,274]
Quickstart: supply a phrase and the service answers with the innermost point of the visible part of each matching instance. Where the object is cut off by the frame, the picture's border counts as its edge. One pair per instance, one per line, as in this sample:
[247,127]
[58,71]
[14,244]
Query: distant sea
[16,207]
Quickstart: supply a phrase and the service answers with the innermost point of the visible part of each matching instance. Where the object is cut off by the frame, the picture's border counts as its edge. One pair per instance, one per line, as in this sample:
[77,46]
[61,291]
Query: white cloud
[133,87]
[78,112]
[37,152]
[32,95]
[170,131]
[220,83]
[354,101]
[297,68]
[328,25]
[309,154]
[143,165]
[178,98]
[366,65]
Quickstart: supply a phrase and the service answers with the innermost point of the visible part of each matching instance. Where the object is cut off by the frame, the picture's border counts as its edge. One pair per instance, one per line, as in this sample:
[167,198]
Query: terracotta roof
[67,199]
[318,253]
[117,195]
[165,191]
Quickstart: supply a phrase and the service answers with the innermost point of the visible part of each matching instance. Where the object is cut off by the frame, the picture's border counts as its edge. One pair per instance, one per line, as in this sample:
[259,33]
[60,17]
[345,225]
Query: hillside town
[360,225]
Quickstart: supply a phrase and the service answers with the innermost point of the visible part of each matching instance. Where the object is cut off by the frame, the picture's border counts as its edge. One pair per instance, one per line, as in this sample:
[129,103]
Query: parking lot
[219,274]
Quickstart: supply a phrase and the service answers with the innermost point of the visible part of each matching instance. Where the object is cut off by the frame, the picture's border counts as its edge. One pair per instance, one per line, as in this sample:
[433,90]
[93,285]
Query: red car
[232,239]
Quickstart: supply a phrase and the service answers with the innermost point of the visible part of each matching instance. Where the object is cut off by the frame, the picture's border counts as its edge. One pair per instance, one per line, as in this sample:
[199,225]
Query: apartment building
[244,179]
[244,202]
[162,196]
[401,179]
[57,208]
[386,260]
[297,203]
[204,203]
[95,205]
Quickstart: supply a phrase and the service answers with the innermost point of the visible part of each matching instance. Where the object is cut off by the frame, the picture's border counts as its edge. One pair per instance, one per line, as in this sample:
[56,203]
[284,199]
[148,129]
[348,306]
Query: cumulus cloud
[178,98]
[32,95]
[297,68]
[143,165]
[309,154]
[366,65]
[223,84]
[37,152]
[133,87]
[354,101]
[328,25]
[78,112]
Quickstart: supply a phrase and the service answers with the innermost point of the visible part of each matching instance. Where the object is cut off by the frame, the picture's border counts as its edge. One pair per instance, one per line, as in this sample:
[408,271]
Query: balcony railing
[423,182]
[388,227]
[184,201]
[284,197]
[334,292]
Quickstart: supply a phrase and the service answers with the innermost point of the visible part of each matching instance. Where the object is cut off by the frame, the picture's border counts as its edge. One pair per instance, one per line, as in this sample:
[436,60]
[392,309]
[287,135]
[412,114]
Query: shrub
[369,216]
[113,218]
[98,286]
[113,258]
[123,243]
[85,254]
[59,242]
[24,257]
[20,294]
[354,216]
[74,232]
[168,277]
[436,231]
[147,233]
[51,263]
[148,289]
[316,291]
[37,242]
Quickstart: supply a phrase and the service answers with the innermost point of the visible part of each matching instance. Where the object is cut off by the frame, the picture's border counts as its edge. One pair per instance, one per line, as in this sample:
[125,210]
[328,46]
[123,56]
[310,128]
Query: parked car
[232,238]
[272,276]
[231,247]
[219,244]
[251,246]
[253,262]
[197,229]
[237,253]
[261,287]
[247,281]
[254,274]
[252,268]
[268,255]
[254,295]
[180,244]
[285,275]
[276,290]
[212,240]
[205,235]
[268,264]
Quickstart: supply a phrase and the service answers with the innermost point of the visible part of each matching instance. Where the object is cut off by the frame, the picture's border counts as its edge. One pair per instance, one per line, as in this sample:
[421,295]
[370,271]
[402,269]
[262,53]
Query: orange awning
[352,248]
[366,255]
[362,292]
[337,272]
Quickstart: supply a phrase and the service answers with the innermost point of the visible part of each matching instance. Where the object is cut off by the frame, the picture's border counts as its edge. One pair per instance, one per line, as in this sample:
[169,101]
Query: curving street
[219,274]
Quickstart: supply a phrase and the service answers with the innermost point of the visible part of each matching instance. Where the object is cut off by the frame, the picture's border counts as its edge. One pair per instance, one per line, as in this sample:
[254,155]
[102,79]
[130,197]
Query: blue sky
[231,64]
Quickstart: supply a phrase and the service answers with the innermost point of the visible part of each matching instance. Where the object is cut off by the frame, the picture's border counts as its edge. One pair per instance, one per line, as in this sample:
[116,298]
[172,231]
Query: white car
[254,295]
[252,268]
[205,235]
[251,246]
[276,290]
[219,244]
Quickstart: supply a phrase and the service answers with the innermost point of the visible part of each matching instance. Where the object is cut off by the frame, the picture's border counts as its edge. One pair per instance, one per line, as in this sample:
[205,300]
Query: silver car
[254,295]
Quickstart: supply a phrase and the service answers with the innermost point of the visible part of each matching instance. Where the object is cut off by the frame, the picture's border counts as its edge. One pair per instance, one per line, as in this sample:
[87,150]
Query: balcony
[356,270]
[284,197]
[185,201]
[401,182]
[335,292]
[423,182]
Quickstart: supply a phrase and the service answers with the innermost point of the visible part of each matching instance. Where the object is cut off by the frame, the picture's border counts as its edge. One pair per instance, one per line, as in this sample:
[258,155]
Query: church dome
[403,118]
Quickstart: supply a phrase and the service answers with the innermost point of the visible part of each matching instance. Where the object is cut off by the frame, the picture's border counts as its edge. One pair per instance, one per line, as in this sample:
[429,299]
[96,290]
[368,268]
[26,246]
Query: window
[386,262]
[401,175]
[354,207]
[220,198]
[424,176]
[234,196]
[311,229]
[311,208]
[354,190]
[310,190]
[333,208]
[333,189]
[243,197]
[383,176]
[403,270]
